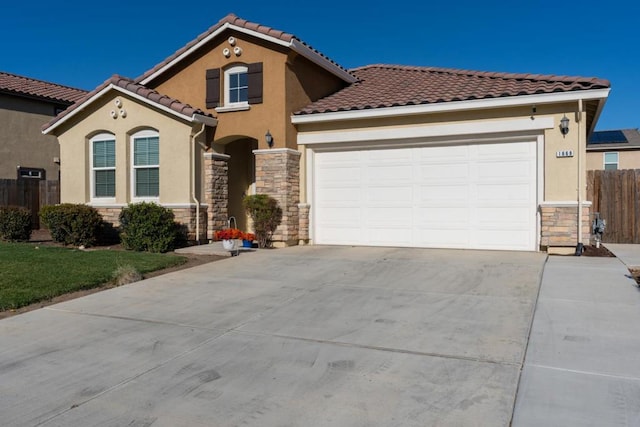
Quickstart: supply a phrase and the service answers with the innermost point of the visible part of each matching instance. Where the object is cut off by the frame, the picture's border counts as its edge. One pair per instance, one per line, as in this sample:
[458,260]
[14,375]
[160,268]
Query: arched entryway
[241,176]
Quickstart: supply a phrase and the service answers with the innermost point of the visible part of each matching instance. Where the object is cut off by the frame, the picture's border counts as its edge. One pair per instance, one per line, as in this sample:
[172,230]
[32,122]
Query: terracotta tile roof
[25,86]
[238,22]
[130,86]
[382,85]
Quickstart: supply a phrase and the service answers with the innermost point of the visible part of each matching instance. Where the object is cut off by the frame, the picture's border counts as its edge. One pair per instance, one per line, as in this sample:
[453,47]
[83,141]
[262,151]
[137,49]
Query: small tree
[266,216]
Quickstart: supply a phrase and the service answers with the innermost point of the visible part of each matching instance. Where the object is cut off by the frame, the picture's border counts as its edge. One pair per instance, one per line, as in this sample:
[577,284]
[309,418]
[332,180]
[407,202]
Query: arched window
[103,167]
[145,155]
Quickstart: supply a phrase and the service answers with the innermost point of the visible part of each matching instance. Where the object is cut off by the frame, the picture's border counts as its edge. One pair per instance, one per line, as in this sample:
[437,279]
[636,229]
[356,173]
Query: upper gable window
[240,87]
[236,90]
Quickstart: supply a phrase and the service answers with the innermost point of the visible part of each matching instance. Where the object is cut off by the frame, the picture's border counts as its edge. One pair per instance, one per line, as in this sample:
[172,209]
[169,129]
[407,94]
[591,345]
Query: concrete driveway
[304,336]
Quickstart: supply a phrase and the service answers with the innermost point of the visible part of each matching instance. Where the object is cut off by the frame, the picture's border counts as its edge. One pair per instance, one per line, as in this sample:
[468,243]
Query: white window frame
[228,105]
[104,136]
[605,163]
[143,134]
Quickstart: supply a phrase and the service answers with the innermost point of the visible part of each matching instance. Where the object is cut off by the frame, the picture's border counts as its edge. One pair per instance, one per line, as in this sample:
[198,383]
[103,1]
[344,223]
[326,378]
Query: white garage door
[480,196]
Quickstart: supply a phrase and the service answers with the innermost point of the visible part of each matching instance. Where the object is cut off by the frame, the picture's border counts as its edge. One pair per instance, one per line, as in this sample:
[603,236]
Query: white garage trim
[425,131]
[474,104]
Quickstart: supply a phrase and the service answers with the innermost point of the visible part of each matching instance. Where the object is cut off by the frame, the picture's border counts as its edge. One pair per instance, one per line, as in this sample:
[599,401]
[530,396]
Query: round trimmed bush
[15,223]
[148,227]
[72,224]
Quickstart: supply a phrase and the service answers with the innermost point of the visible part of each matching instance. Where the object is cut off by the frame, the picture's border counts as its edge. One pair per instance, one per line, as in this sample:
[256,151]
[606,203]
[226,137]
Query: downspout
[193,180]
[580,246]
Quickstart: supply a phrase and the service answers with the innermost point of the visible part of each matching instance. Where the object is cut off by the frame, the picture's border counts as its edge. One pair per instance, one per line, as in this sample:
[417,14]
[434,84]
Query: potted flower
[247,240]
[228,237]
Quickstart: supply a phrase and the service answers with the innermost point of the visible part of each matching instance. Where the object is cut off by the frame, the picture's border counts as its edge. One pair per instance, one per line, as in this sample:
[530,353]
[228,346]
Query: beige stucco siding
[175,160]
[626,159]
[21,141]
[560,174]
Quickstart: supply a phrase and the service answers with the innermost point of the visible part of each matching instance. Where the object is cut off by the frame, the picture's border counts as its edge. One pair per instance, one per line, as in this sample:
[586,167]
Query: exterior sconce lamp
[564,125]
[269,138]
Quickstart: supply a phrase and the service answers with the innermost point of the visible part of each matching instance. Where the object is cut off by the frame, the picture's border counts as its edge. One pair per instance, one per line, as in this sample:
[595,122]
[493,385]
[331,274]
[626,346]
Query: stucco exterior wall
[188,84]
[626,159]
[560,174]
[21,140]
[175,160]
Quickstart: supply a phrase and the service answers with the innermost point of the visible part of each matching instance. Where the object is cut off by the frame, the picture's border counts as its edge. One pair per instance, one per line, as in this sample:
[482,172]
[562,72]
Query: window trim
[41,173]
[605,163]
[103,136]
[244,105]
[143,134]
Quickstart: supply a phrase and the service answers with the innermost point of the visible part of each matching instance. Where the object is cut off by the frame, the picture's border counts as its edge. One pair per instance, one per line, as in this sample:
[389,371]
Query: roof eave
[194,118]
[475,104]
[294,44]
[320,60]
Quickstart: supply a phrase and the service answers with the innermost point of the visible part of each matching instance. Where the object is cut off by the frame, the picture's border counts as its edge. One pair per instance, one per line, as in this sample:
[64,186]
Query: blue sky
[82,43]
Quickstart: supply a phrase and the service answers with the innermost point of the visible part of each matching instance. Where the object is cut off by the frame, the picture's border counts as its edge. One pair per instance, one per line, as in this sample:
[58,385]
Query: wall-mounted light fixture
[269,138]
[564,125]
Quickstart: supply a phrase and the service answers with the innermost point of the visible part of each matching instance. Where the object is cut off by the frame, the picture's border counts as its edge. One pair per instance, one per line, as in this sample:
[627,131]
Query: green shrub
[148,227]
[266,216]
[15,223]
[72,224]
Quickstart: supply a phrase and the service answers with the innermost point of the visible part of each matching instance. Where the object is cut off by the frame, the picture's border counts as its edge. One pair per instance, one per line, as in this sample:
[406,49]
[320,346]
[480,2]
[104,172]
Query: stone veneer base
[184,216]
[559,225]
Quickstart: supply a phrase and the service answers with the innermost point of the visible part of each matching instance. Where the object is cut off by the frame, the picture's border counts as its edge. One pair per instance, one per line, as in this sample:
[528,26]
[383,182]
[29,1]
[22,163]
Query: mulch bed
[597,252]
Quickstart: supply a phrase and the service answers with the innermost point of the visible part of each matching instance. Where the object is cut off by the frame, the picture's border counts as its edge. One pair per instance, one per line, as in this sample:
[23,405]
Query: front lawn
[30,274]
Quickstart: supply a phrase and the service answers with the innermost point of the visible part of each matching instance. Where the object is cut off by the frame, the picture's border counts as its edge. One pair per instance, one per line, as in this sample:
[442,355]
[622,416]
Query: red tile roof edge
[232,19]
[27,86]
[134,88]
[491,74]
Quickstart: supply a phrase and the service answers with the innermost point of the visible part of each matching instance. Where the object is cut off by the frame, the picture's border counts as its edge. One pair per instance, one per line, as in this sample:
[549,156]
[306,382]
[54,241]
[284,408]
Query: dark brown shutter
[213,88]
[254,80]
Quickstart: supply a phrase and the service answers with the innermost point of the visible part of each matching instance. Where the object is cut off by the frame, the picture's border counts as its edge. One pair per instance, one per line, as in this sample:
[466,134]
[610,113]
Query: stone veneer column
[278,175]
[559,224]
[303,223]
[216,193]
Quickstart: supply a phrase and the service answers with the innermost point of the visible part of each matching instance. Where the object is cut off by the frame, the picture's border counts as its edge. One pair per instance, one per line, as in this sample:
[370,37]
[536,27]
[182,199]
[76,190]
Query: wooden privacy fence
[616,195]
[29,193]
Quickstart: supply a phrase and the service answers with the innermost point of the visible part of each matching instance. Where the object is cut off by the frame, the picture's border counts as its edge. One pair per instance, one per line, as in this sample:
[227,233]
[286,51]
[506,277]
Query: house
[380,155]
[25,103]
[614,149]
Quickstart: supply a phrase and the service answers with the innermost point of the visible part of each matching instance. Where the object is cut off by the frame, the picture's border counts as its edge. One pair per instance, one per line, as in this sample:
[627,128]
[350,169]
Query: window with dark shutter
[254,72]
[213,88]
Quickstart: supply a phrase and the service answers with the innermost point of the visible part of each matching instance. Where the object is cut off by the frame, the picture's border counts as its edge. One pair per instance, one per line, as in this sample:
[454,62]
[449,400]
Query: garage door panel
[390,194]
[441,217]
[460,196]
[497,193]
[503,239]
[447,192]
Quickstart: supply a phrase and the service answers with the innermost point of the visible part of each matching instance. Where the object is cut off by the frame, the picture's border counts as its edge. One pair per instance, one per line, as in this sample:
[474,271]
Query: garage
[477,195]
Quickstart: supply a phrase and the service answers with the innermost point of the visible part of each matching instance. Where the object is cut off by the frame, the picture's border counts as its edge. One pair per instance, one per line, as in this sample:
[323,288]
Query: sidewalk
[627,253]
[582,366]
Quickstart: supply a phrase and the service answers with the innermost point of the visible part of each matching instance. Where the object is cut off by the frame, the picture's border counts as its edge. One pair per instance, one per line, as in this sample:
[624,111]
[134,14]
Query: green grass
[29,275]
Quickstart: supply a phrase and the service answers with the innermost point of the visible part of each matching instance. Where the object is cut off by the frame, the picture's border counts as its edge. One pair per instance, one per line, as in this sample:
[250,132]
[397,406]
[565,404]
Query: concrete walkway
[627,253]
[582,366]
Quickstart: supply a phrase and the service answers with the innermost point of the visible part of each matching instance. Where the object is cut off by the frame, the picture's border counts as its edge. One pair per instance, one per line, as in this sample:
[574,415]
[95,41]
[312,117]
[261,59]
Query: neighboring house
[381,155]
[614,149]
[25,103]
